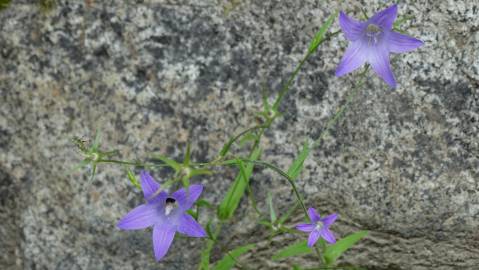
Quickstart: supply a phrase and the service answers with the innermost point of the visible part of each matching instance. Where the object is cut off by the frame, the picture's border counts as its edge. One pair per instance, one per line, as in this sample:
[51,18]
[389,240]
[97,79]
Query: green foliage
[170,162]
[297,165]
[132,178]
[319,37]
[4,4]
[47,5]
[299,248]
[333,252]
[237,189]
[230,258]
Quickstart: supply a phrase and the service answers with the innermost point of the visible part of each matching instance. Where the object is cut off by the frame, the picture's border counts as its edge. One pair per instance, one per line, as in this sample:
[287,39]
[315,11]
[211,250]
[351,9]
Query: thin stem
[283,174]
[290,81]
[339,113]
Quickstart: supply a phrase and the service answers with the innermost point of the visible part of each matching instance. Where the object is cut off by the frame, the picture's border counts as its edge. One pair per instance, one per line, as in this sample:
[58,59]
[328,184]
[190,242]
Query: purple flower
[372,41]
[166,213]
[319,227]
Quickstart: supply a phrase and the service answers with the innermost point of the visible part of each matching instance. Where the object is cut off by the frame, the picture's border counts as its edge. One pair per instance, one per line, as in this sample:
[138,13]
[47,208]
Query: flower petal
[328,236]
[305,227]
[148,185]
[162,238]
[313,237]
[188,225]
[313,215]
[379,60]
[141,217]
[385,18]
[186,198]
[327,221]
[399,43]
[352,29]
[353,58]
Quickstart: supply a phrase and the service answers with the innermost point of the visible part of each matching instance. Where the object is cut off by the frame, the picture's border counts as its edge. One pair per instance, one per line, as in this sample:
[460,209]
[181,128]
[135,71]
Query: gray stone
[153,75]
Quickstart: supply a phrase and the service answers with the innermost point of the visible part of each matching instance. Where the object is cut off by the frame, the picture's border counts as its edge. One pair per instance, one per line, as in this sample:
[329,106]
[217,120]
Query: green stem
[290,81]
[339,113]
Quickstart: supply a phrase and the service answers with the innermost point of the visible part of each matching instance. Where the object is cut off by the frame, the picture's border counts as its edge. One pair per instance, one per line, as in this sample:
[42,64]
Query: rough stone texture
[154,74]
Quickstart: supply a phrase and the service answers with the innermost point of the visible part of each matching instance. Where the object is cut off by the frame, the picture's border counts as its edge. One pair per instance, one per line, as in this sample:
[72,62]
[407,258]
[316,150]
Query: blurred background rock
[152,75]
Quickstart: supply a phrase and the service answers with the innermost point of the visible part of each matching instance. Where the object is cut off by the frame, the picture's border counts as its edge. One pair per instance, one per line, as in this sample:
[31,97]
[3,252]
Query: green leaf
[299,248]
[237,189]
[132,178]
[295,267]
[4,3]
[96,143]
[295,168]
[170,162]
[230,258]
[333,252]
[203,203]
[272,213]
[319,37]
[195,172]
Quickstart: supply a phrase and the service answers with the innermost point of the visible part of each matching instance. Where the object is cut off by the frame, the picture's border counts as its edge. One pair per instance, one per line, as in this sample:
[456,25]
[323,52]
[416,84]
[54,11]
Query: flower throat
[373,32]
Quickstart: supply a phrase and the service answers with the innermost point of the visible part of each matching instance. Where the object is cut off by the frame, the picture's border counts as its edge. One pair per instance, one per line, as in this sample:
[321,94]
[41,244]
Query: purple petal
[188,225]
[313,237]
[141,217]
[353,58]
[313,215]
[327,221]
[305,227]
[328,236]
[148,185]
[379,60]
[399,43]
[385,18]
[186,198]
[352,29]
[162,238]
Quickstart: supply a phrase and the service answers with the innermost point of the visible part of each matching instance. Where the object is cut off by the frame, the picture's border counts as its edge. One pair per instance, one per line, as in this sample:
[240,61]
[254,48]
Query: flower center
[373,33]
[319,225]
[170,205]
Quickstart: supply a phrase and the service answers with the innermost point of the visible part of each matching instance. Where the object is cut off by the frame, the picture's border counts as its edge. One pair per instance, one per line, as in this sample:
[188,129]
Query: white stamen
[319,225]
[373,32]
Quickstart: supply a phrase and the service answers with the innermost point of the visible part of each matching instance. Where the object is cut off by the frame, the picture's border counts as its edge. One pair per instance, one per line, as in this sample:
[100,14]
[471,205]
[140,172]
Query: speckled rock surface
[154,74]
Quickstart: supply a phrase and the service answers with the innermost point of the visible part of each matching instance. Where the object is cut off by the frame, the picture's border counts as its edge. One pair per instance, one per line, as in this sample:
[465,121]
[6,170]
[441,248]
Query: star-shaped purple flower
[319,227]
[372,41]
[166,213]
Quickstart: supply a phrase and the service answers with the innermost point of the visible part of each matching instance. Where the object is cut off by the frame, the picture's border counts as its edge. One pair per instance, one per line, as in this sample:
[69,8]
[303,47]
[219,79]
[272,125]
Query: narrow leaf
[319,37]
[203,203]
[132,178]
[96,142]
[272,213]
[333,252]
[237,189]
[170,162]
[299,248]
[295,168]
[230,259]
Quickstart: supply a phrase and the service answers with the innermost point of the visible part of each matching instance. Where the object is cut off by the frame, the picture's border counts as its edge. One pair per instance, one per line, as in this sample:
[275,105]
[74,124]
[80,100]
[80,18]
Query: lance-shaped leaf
[132,178]
[230,258]
[296,249]
[333,252]
[297,165]
[319,37]
[237,189]
[170,162]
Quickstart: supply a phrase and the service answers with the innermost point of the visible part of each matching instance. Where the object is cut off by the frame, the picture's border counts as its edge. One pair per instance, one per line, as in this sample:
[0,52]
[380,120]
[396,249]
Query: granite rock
[153,75]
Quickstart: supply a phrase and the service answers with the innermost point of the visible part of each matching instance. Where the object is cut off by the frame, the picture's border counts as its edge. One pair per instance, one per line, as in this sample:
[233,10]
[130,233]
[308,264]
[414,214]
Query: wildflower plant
[179,211]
